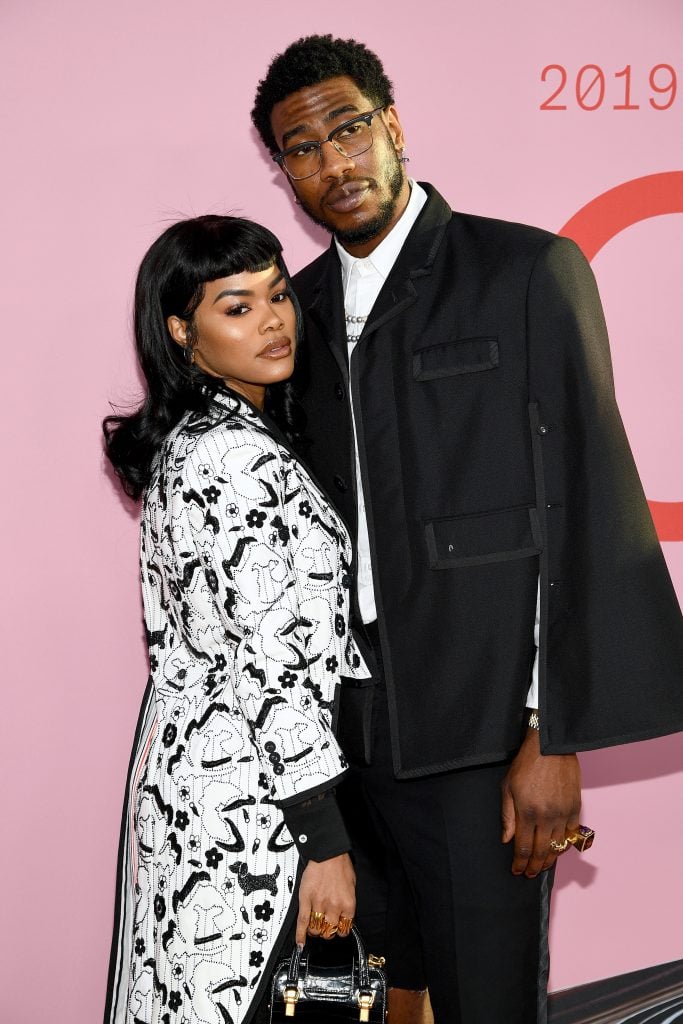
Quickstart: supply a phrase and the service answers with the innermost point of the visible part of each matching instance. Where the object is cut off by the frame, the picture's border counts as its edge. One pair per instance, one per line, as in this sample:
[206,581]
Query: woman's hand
[327,887]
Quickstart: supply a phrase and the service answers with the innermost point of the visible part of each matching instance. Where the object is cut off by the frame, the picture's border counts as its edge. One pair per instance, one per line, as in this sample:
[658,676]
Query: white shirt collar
[382,259]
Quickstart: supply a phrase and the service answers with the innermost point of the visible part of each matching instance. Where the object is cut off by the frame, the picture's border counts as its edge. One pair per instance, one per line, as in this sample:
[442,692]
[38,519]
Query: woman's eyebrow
[246,291]
[231,291]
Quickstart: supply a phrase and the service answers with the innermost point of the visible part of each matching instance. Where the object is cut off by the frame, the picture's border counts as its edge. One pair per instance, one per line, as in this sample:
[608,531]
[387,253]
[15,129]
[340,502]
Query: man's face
[358,198]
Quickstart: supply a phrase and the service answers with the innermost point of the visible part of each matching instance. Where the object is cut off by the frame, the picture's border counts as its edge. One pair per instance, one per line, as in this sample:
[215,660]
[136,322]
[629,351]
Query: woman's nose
[271,321]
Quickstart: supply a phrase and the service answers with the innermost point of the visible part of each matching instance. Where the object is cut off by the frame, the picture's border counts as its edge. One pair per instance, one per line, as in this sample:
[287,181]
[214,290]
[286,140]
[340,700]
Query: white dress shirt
[362,280]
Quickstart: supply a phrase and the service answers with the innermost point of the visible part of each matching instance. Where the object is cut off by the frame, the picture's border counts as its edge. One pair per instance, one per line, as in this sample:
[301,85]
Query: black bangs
[208,248]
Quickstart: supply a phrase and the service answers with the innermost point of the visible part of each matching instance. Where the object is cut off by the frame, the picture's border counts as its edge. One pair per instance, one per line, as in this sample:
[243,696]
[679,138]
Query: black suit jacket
[491,449]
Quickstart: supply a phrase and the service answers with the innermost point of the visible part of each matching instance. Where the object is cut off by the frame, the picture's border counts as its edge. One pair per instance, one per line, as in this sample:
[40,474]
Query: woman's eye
[237,310]
[279,297]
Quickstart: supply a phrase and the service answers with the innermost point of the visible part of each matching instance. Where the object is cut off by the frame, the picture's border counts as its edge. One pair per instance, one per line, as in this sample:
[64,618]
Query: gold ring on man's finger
[581,838]
[558,847]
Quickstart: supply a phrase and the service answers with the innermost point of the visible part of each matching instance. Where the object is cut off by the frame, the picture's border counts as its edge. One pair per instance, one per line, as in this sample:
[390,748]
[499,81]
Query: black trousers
[435,890]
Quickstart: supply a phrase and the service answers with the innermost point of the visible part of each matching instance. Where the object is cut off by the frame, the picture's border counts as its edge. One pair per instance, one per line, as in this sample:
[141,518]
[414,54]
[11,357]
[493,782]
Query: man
[458,388]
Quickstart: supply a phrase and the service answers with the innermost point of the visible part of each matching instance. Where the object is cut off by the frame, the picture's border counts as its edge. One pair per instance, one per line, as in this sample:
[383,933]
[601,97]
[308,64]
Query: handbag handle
[363,968]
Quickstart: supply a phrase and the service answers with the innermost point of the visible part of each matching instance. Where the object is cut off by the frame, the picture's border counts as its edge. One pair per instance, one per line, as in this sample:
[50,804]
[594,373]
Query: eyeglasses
[350,139]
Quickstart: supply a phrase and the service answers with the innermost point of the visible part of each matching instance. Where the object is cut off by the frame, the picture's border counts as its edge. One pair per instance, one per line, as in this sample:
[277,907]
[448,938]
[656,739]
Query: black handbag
[318,994]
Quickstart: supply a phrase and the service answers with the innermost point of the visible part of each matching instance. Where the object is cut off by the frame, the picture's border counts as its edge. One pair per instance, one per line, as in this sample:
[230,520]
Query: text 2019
[593,88]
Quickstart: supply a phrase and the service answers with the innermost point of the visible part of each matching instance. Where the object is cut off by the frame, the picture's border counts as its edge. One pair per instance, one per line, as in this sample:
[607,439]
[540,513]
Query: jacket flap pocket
[466,355]
[488,537]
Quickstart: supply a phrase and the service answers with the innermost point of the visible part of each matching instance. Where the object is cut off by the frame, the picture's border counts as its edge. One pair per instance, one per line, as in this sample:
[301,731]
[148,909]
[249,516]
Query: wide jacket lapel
[399,290]
[414,261]
[327,309]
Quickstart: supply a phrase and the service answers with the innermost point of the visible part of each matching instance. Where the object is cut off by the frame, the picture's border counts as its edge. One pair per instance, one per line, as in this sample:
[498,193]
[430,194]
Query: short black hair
[314,59]
[171,282]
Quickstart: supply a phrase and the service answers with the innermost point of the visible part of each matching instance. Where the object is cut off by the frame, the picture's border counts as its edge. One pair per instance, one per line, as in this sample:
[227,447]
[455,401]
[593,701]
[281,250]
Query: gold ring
[328,930]
[345,925]
[317,919]
[558,847]
[582,838]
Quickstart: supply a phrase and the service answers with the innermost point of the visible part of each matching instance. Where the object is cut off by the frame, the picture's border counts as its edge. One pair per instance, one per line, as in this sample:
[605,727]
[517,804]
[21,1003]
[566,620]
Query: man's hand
[541,801]
[328,887]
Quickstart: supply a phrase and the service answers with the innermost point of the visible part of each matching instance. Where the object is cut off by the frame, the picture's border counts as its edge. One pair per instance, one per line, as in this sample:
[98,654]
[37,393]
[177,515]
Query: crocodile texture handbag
[352,992]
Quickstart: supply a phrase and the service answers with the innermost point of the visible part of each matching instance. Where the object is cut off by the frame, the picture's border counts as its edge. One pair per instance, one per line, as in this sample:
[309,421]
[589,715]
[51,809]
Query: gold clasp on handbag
[376,961]
[291,996]
[365,1001]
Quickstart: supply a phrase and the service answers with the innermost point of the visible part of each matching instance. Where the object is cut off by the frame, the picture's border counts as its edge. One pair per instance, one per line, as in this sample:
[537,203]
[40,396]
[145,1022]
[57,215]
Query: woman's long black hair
[171,282]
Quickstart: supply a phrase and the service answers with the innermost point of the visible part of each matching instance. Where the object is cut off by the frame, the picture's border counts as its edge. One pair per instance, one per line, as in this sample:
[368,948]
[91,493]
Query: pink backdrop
[119,118]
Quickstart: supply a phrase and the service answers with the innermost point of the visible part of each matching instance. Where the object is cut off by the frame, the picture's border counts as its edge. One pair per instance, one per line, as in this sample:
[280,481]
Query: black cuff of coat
[317,827]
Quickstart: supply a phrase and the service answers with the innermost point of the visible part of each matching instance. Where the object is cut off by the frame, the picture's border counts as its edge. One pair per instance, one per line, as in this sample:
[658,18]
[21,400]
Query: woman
[245,577]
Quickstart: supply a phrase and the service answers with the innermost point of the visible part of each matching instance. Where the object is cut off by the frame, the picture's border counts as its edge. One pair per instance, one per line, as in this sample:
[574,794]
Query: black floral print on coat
[245,576]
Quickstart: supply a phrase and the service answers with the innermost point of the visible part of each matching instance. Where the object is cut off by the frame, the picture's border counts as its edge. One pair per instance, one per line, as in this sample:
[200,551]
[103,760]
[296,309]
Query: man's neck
[363,249]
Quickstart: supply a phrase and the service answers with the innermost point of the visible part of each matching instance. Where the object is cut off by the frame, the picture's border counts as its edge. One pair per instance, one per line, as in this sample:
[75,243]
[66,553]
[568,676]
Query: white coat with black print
[246,582]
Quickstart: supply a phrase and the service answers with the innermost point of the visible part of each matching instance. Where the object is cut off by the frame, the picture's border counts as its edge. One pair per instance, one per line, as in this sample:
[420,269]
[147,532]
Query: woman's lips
[277,350]
[348,197]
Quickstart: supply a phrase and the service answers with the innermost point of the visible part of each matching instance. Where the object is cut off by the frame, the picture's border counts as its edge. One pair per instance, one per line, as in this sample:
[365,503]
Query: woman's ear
[177,328]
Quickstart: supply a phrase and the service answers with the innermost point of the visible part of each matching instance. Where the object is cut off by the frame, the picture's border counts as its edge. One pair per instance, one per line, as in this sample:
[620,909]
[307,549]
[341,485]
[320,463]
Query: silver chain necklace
[354,320]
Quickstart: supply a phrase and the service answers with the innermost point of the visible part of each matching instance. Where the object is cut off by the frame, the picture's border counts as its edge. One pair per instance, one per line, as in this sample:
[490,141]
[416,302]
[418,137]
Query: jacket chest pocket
[481,539]
[448,358]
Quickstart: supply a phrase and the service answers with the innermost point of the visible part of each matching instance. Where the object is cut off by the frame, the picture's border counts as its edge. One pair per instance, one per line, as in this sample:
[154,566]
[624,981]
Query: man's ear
[395,130]
[177,328]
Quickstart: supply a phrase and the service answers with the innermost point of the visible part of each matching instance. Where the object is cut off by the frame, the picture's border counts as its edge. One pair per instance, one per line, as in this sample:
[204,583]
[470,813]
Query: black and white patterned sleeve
[242,596]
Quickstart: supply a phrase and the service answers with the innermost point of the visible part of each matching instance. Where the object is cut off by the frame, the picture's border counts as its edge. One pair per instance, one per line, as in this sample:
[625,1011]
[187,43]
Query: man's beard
[366,232]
